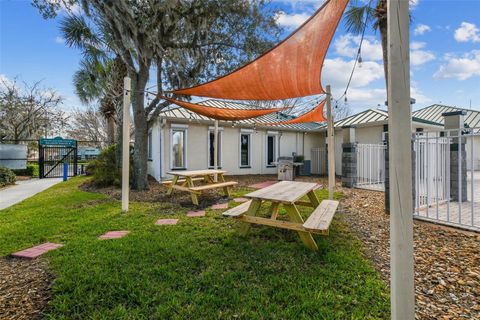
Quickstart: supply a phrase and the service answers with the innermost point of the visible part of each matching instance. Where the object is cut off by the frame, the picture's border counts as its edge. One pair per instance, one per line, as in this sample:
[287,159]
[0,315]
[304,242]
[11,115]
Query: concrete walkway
[24,190]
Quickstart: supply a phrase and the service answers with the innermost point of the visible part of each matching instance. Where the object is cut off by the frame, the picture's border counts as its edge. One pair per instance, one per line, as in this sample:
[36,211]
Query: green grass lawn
[198,269]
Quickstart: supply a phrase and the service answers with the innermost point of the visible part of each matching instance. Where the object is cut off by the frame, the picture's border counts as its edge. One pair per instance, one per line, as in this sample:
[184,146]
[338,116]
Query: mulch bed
[447,261]
[24,288]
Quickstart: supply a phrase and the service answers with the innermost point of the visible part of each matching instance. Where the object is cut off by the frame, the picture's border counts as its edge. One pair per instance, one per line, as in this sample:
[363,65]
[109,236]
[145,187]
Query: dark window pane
[244,150]
[178,149]
[270,150]
[210,148]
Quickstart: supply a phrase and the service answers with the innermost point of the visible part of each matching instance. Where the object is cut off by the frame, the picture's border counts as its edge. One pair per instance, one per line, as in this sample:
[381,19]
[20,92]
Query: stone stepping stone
[114,235]
[240,200]
[164,222]
[262,184]
[200,213]
[220,206]
[33,252]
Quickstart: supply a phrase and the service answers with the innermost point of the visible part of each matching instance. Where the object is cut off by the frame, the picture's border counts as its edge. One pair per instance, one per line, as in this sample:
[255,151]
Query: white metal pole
[126,143]
[331,145]
[400,135]
[215,150]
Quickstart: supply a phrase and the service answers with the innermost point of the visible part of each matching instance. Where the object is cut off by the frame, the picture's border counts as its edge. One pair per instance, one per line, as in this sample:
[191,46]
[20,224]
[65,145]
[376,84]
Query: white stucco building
[180,139]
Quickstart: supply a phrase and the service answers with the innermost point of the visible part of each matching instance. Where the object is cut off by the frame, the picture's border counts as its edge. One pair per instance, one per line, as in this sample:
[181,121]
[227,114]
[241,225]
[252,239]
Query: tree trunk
[140,181]
[382,25]
[119,138]
[110,130]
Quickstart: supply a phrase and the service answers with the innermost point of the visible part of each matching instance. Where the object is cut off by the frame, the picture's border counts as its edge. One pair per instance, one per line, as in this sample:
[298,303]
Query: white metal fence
[447,180]
[319,161]
[371,166]
[432,174]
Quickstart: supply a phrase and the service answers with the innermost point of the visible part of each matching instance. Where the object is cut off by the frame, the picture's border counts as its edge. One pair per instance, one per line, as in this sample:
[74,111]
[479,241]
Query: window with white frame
[179,147]
[149,146]
[211,138]
[245,149]
[272,149]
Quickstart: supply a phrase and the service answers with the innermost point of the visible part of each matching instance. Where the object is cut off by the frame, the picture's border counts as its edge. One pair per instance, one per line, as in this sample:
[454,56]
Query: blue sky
[445,58]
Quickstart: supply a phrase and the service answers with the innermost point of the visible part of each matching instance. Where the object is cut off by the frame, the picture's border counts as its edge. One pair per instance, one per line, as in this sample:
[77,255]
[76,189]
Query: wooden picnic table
[184,180]
[287,194]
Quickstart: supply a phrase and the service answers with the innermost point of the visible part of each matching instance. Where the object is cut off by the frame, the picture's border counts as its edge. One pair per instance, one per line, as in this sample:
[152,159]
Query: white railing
[319,161]
[371,166]
[447,181]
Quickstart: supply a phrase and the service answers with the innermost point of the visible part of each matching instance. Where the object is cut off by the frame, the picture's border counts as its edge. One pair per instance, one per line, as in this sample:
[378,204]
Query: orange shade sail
[289,70]
[223,113]
[314,115]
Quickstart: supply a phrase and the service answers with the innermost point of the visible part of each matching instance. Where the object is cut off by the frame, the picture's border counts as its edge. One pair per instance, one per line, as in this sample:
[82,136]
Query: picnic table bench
[288,194]
[183,180]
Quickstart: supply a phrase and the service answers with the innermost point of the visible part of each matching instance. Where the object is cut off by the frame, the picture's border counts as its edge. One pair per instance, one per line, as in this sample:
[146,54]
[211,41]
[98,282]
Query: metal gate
[319,161]
[447,186]
[432,162]
[371,166]
[53,153]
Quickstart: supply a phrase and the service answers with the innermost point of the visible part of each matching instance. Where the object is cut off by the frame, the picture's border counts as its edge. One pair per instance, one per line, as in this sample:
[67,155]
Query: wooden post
[126,143]
[215,151]
[331,145]
[400,157]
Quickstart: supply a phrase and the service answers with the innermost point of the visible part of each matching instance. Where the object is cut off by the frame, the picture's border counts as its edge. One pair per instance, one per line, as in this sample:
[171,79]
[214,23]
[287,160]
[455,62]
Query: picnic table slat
[195,173]
[322,216]
[285,191]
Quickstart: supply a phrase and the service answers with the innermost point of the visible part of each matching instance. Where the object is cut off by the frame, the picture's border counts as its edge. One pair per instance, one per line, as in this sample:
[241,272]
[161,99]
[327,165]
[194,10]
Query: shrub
[104,168]
[31,170]
[6,177]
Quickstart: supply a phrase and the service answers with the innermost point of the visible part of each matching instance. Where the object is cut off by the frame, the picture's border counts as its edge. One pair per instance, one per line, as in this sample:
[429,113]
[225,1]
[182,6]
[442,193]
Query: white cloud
[415,45]
[414,3]
[337,72]
[291,21]
[419,57]
[347,46]
[421,29]
[418,95]
[467,32]
[59,40]
[460,68]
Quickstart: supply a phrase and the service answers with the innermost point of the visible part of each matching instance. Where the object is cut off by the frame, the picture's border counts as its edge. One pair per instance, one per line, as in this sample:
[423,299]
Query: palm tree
[100,77]
[358,17]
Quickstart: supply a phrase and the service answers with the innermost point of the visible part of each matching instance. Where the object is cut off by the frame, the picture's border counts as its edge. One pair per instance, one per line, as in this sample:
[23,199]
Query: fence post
[127,87]
[349,157]
[458,155]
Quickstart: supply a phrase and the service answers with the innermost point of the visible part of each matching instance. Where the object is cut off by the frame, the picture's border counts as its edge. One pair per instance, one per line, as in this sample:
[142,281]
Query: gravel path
[24,288]
[447,261]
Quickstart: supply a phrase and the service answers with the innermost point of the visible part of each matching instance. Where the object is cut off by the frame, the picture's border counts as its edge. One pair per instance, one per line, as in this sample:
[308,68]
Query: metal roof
[371,116]
[364,117]
[181,113]
[434,113]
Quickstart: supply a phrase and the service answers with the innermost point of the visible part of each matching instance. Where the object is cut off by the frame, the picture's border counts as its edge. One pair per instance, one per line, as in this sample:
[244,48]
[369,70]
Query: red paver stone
[262,184]
[200,213]
[33,252]
[163,222]
[114,234]
[240,200]
[219,206]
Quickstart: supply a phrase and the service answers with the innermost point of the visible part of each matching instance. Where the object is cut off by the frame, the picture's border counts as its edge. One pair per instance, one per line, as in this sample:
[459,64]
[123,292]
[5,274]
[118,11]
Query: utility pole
[126,143]
[331,145]
[400,134]
[215,150]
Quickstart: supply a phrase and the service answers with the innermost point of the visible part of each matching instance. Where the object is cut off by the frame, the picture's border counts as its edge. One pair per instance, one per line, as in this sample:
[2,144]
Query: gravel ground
[447,261]
[24,288]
